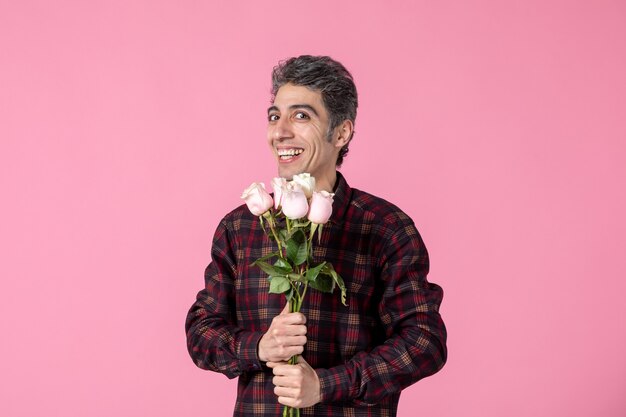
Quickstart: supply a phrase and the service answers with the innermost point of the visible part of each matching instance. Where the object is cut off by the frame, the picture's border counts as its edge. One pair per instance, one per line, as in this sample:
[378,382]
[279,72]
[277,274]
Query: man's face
[297,134]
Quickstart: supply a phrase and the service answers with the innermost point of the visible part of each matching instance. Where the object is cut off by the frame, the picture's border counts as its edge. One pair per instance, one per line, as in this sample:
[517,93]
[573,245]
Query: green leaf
[342,286]
[329,270]
[324,283]
[301,224]
[279,284]
[297,248]
[314,227]
[295,277]
[269,269]
[266,257]
[336,277]
[289,294]
[283,265]
[312,273]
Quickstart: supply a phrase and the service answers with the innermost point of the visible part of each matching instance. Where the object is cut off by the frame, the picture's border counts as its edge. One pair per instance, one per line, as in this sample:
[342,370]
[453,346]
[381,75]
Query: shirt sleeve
[214,341]
[416,336]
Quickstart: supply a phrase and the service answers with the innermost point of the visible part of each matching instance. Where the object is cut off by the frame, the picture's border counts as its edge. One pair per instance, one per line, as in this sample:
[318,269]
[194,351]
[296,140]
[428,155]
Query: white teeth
[290,152]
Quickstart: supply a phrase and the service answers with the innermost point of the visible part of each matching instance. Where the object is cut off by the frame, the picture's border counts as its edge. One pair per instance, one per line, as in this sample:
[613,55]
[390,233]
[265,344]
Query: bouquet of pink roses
[293,217]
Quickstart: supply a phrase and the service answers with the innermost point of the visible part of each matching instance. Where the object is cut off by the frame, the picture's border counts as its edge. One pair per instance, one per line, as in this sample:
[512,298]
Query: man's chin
[288,173]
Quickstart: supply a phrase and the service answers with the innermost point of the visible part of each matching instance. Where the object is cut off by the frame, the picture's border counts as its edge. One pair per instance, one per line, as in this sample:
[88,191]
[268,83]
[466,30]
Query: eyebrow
[294,107]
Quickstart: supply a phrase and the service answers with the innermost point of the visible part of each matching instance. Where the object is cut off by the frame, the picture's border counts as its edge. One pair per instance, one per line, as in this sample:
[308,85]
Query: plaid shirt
[388,337]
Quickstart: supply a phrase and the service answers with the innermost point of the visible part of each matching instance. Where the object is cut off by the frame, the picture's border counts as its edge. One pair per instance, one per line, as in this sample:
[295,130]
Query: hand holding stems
[296,383]
[285,337]
[297,386]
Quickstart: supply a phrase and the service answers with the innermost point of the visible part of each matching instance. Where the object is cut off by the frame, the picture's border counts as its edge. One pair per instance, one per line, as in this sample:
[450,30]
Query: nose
[281,129]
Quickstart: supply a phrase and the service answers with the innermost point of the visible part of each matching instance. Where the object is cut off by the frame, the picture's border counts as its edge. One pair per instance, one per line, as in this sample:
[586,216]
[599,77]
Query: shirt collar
[341,200]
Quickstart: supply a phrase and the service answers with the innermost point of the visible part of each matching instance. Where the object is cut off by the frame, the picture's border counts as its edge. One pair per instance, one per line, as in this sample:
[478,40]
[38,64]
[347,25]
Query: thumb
[285,309]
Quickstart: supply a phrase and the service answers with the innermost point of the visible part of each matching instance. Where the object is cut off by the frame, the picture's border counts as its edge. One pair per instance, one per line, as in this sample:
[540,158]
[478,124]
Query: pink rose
[321,207]
[278,184]
[294,201]
[257,198]
[306,181]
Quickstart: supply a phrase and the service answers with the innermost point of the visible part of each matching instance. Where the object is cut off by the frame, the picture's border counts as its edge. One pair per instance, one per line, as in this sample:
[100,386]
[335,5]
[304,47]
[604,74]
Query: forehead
[290,95]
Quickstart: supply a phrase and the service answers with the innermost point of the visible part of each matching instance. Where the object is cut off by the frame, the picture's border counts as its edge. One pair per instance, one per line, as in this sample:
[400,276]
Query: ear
[344,133]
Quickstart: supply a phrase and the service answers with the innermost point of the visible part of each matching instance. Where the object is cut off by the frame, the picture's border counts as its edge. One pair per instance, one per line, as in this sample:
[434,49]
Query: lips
[288,154]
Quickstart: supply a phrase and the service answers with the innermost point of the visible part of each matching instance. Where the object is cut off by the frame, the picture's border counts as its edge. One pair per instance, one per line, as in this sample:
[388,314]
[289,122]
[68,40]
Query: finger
[293,318]
[288,326]
[274,364]
[289,401]
[285,309]
[292,347]
[278,368]
[286,392]
[290,337]
[288,346]
[279,330]
[294,330]
[295,341]
[289,351]
[285,381]
[301,317]
[287,370]
[283,354]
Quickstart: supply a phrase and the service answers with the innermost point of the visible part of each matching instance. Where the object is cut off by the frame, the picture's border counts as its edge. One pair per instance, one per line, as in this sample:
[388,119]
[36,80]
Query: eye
[301,115]
[272,117]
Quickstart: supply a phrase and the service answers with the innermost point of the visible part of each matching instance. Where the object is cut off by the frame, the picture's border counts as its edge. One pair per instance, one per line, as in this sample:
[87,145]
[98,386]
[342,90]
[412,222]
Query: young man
[354,360]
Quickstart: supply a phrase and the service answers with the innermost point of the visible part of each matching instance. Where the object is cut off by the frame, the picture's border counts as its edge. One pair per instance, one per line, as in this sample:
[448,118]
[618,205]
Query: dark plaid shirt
[388,337]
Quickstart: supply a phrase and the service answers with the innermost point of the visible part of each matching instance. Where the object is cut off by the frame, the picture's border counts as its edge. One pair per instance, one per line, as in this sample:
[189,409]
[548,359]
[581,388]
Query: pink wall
[129,128]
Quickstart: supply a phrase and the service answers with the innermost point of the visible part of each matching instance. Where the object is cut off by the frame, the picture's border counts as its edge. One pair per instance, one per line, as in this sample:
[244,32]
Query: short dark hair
[331,79]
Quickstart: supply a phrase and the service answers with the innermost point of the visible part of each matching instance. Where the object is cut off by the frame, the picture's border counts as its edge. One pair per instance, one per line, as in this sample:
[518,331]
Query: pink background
[129,128]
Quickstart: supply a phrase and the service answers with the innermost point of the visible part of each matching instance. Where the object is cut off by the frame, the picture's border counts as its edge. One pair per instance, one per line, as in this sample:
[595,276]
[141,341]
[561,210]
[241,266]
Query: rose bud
[306,181]
[257,198]
[294,202]
[278,184]
[321,207]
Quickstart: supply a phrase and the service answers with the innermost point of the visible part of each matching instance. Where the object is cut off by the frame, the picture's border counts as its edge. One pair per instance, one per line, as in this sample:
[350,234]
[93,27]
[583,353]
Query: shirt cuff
[334,384]
[247,352]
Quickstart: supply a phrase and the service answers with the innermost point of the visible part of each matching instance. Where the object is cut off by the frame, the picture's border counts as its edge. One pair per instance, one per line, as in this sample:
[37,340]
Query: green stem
[295,305]
[280,246]
[306,285]
[310,243]
[293,302]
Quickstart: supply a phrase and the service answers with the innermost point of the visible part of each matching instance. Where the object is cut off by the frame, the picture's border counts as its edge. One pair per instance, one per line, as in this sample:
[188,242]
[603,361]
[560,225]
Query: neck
[327,182]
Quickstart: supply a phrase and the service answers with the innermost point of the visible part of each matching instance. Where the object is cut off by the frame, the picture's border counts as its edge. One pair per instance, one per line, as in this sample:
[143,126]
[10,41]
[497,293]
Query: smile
[289,154]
